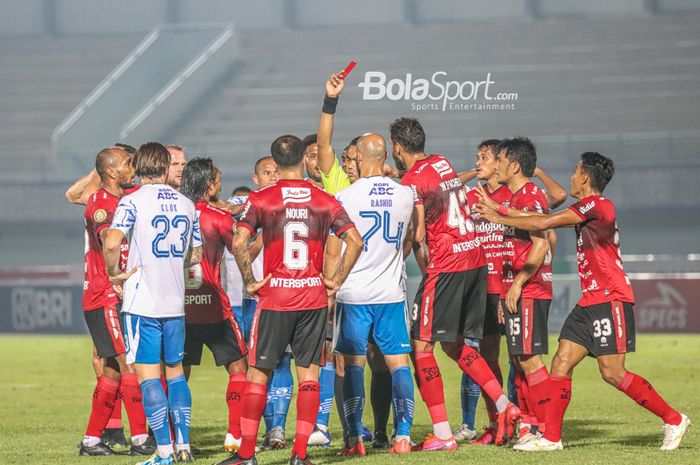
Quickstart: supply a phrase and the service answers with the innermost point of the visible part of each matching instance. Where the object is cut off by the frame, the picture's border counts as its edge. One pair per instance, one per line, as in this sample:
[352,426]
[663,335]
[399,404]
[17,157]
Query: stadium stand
[626,86]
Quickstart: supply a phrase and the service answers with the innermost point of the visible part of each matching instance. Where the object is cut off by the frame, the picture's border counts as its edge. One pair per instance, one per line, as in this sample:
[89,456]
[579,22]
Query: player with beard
[100,305]
[602,323]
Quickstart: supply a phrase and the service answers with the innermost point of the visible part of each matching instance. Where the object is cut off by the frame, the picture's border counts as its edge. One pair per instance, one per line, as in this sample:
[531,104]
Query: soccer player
[451,299]
[281,383]
[165,238]
[517,383]
[295,219]
[100,305]
[208,317]
[602,323]
[178,159]
[372,299]
[490,236]
[527,282]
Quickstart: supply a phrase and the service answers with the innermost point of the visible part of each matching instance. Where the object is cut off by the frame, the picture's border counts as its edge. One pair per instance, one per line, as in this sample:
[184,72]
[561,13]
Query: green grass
[46,383]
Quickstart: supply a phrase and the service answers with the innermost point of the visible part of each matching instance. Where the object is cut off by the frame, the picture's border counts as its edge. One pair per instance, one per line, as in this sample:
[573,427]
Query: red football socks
[102,405]
[474,365]
[131,396]
[430,385]
[234,397]
[643,393]
[523,392]
[252,409]
[490,404]
[115,420]
[560,396]
[308,401]
[538,384]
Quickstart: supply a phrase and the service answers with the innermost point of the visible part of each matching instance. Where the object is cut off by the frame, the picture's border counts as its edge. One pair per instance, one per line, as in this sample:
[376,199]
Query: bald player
[372,300]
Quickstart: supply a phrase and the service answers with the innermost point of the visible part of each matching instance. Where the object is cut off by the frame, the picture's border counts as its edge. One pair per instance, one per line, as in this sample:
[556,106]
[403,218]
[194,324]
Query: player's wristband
[329,104]
[503,210]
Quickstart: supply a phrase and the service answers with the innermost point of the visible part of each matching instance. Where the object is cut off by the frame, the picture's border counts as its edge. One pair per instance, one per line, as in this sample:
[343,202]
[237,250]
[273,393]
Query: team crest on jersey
[99,216]
[296,195]
[442,167]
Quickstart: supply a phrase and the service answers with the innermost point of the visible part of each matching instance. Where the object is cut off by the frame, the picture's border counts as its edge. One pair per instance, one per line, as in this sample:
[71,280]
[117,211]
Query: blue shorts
[150,340]
[388,324]
[245,320]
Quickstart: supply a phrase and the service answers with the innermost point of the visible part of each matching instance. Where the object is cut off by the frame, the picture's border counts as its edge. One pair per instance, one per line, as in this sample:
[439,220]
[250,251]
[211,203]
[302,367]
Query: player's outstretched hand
[332,286]
[255,286]
[118,281]
[335,84]
[512,297]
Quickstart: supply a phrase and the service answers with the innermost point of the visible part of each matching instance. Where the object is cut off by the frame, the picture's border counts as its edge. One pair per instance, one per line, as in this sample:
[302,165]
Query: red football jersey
[97,290]
[295,218]
[205,298]
[598,253]
[518,245]
[491,236]
[452,241]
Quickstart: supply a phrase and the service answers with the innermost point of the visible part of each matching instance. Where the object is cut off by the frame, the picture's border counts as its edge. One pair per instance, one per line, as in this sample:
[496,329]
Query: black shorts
[449,306]
[526,331]
[224,339]
[491,324]
[603,329]
[271,332]
[106,332]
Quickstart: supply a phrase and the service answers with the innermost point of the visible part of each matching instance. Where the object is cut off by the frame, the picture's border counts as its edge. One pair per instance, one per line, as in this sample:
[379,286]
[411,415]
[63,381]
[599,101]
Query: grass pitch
[46,383]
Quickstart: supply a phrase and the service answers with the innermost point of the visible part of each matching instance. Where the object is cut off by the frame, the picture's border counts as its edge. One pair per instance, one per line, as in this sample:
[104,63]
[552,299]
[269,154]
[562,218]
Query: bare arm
[111,249]
[535,258]
[533,221]
[528,221]
[256,247]
[331,256]
[83,188]
[326,155]
[194,256]
[420,249]
[353,248]
[557,195]
[244,261]
[466,176]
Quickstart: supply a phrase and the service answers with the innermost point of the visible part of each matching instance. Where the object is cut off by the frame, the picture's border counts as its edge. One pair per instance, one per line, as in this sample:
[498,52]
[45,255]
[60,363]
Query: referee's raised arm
[326,155]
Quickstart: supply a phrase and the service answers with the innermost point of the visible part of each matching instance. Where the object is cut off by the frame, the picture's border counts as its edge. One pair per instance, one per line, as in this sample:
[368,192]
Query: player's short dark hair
[492,144]
[129,149]
[152,160]
[241,190]
[599,168]
[409,133]
[520,150]
[309,140]
[196,176]
[287,150]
